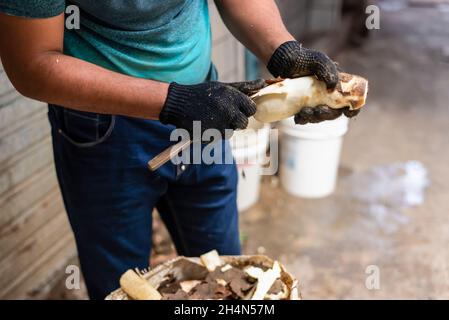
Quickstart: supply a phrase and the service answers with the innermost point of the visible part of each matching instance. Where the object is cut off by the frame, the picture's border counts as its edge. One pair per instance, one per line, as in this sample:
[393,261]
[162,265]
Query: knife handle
[166,155]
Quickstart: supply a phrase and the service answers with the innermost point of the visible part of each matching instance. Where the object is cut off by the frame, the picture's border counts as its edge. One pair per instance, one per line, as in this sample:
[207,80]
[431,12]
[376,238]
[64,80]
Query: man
[116,88]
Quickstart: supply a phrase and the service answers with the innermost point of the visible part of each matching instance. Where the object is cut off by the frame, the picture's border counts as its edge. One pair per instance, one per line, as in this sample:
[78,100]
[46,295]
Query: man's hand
[322,113]
[291,60]
[217,105]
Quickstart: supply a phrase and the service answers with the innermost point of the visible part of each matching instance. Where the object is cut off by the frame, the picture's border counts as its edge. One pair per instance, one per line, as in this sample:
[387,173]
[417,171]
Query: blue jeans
[109,195]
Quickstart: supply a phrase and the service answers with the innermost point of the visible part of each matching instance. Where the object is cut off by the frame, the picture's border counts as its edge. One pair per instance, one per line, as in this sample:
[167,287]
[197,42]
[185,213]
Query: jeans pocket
[86,129]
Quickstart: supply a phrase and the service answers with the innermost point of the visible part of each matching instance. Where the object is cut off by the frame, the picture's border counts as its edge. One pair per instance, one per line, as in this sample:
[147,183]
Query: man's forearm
[59,79]
[256,24]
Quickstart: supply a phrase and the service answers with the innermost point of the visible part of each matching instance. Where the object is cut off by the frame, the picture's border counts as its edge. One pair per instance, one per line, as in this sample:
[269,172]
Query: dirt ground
[329,244]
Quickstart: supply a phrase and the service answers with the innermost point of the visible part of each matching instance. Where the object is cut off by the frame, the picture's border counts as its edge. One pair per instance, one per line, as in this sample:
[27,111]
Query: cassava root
[287,97]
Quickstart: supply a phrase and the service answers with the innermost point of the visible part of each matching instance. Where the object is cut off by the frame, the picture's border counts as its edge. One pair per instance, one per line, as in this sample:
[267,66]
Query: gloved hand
[291,60]
[217,105]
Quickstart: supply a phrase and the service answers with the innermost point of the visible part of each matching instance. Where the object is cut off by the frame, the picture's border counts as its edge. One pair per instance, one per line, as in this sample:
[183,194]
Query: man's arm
[31,53]
[256,24]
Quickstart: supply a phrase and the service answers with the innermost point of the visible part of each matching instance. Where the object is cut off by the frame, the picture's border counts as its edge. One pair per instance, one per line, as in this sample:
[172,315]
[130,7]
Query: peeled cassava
[285,98]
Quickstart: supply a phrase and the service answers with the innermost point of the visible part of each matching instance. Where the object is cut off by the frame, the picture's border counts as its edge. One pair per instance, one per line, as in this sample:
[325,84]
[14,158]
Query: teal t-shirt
[166,40]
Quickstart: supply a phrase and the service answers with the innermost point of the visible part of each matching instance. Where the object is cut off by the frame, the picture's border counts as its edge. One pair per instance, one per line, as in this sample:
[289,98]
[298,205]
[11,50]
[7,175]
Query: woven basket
[157,275]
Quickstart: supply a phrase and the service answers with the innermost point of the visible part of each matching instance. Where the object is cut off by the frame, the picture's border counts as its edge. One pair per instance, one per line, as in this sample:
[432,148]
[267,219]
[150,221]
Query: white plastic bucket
[310,156]
[249,148]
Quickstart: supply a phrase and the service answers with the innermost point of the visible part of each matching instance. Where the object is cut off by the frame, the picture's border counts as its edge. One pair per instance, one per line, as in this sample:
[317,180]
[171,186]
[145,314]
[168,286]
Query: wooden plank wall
[227,53]
[35,237]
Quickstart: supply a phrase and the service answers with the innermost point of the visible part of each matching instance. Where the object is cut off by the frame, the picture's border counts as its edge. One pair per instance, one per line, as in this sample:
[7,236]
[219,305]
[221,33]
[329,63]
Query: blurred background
[387,214]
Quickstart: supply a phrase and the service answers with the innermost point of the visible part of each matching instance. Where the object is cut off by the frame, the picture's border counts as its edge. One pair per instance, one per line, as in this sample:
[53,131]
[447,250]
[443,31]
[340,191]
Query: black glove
[322,113]
[217,105]
[291,60]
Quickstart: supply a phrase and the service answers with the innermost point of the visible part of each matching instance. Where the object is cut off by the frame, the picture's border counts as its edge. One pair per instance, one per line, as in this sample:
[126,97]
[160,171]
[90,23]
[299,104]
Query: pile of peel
[210,277]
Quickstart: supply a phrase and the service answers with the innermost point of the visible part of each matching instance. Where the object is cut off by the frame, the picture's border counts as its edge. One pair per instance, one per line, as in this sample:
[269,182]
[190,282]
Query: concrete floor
[329,243]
